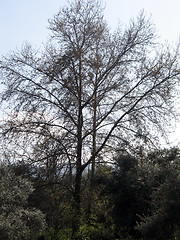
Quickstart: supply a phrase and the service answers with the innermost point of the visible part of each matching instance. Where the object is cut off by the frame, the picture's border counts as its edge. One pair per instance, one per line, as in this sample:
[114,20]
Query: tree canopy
[89,92]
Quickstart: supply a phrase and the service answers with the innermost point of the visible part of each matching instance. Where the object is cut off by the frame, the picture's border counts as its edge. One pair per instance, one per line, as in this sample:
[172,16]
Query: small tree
[127,194]
[89,91]
[17,221]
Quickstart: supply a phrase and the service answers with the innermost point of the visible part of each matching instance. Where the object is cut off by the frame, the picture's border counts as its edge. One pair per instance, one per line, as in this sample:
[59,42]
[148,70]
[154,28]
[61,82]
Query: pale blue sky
[27,20]
[165,14]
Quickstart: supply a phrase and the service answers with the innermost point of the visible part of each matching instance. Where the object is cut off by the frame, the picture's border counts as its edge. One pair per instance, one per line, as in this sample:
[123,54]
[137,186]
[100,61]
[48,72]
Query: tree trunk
[78,177]
[92,170]
[77,206]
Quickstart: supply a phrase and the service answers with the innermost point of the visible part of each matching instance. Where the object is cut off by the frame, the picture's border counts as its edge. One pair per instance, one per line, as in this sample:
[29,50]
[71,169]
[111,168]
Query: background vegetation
[136,198]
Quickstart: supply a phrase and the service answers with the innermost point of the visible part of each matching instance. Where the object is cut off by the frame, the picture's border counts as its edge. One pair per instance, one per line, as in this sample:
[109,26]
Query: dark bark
[77,205]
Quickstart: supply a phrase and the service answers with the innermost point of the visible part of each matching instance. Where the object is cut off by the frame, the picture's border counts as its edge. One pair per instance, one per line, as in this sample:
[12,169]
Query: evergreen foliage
[17,220]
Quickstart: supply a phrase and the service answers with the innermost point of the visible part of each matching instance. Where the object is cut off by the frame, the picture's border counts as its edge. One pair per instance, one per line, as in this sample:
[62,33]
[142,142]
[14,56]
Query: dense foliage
[17,220]
[136,198]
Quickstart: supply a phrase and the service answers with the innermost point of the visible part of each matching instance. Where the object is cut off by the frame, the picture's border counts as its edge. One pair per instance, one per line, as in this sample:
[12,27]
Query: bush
[17,221]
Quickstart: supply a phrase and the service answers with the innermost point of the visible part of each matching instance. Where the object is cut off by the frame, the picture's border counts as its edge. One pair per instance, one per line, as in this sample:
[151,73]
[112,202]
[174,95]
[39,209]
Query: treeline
[135,198]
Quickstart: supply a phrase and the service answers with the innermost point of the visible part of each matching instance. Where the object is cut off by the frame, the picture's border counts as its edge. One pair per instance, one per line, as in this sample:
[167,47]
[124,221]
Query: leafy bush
[17,221]
[163,219]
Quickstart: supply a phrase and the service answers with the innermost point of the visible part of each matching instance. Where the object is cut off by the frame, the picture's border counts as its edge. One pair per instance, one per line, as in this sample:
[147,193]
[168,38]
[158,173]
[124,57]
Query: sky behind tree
[27,20]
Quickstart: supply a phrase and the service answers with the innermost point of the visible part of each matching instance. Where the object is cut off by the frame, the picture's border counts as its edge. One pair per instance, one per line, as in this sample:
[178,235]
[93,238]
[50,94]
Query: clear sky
[165,14]
[27,20]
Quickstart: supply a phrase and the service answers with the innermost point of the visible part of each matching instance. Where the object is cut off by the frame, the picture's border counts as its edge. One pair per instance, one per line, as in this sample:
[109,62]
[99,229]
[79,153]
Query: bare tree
[90,90]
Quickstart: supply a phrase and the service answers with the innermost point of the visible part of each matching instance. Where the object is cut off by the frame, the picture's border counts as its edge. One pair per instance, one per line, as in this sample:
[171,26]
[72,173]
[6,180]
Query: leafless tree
[89,91]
